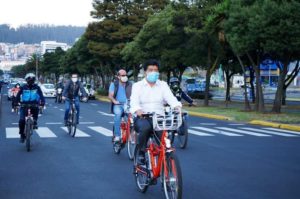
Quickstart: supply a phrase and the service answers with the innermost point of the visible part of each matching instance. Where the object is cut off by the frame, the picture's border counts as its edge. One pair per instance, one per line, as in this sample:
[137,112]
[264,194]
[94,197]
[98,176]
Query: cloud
[57,12]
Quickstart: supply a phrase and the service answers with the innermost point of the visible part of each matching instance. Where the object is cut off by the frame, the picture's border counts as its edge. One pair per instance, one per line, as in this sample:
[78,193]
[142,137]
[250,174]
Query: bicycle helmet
[174,84]
[30,78]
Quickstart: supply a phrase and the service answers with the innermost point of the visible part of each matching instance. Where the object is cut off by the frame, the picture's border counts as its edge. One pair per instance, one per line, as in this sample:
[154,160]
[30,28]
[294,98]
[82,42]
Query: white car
[48,90]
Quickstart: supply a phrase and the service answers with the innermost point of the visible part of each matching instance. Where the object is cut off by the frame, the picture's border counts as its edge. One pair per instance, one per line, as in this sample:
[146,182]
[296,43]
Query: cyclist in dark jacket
[29,94]
[71,91]
[178,92]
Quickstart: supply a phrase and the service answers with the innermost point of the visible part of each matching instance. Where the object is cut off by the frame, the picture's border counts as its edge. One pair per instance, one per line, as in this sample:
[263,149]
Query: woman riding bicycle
[14,91]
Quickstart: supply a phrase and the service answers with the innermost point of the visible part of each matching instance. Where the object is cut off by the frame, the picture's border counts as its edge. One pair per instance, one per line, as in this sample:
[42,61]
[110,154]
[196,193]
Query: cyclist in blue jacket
[29,94]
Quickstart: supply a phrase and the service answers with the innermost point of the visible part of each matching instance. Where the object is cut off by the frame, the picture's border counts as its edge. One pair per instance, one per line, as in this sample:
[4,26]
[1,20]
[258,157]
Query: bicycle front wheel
[28,132]
[131,143]
[172,177]
[74,124]
[183,135]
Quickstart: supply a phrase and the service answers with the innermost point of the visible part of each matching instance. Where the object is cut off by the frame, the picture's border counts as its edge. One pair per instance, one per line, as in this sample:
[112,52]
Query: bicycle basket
[169,121]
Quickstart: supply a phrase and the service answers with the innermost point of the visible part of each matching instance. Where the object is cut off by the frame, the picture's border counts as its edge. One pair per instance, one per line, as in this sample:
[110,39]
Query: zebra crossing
[230,131]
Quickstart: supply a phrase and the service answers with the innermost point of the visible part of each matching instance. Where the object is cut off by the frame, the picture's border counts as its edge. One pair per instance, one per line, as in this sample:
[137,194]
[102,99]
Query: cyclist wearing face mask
[29,94]
[178,92]
[149,96]
[119,93]
[70,92]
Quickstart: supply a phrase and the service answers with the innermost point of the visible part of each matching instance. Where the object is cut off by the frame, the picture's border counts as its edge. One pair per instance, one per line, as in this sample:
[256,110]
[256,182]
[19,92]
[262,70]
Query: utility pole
[36,66]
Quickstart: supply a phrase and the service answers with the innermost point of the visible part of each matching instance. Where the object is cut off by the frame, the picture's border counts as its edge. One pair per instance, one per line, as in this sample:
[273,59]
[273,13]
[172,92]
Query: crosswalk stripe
[191,131]
[236,124]
[106,114]
[12,132]
[216,131]
[208,124]
[101,130]
[45,132]
[270,132]
[79,133]
[244,132]
[283,130]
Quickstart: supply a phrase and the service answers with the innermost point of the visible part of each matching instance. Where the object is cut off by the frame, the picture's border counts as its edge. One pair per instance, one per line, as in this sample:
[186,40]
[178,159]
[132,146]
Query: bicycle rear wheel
[172,178]
[131,143]
[140,173]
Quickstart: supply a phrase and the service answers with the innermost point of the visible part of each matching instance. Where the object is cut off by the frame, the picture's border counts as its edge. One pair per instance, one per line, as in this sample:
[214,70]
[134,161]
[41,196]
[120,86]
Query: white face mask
[124,79]
[74,79]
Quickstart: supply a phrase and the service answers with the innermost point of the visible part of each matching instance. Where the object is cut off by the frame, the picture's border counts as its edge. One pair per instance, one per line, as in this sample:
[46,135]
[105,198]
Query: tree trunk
[247,104]
[279,93]
[206,94]
[259,102]
[284,95]
[228,84]
[253,96]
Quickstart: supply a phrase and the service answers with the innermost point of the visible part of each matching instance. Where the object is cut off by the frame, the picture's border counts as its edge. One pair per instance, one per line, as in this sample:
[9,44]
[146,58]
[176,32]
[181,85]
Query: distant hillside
[31,34]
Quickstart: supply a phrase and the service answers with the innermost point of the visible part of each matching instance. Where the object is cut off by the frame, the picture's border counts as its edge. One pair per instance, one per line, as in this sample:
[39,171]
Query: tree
[19,71]
[242,35]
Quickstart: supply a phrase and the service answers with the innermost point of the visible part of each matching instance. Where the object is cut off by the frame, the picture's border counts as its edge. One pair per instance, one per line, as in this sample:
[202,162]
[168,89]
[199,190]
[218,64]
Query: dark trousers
[23,114]
[144,129]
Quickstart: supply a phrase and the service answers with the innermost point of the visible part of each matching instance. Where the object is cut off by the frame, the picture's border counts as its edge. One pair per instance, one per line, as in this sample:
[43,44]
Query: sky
[54,12]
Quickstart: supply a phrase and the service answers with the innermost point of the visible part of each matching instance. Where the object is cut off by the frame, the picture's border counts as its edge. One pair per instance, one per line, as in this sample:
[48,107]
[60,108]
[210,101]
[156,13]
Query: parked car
[48,90]
[89,90]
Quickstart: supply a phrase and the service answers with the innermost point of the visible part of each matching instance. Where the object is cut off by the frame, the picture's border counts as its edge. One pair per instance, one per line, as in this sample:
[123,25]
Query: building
[7,65]
[50,46]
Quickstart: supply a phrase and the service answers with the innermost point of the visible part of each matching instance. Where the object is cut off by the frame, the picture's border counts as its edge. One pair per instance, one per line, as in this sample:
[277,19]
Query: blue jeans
[68,106]
[118,111]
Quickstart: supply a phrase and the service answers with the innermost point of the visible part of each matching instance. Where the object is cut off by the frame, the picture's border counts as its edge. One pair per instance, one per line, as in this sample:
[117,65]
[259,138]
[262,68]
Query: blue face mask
[152,77]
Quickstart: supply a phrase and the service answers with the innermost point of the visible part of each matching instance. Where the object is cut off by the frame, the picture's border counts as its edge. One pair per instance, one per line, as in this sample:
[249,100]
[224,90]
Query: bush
[102,91]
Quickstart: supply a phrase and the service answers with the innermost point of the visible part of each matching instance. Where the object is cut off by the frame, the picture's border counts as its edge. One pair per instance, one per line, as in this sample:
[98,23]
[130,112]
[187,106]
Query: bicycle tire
[182,135]
[69,122]
[74,124]
[141,186]
[174,171]
[131,143]
[28,129]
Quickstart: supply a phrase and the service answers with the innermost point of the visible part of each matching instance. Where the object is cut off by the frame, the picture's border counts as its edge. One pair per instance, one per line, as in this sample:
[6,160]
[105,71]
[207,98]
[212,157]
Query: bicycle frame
[160,151]
[125,127]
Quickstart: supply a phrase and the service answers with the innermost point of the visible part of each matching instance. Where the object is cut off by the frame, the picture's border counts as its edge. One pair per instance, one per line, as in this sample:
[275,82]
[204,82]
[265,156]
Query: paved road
[223,160]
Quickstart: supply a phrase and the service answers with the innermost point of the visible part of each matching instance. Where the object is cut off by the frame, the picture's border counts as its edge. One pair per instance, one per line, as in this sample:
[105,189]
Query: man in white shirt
[149,95]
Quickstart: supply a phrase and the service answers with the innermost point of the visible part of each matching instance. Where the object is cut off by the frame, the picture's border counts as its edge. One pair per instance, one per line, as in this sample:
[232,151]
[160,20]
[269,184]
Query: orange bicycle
[160,160]
[127,134]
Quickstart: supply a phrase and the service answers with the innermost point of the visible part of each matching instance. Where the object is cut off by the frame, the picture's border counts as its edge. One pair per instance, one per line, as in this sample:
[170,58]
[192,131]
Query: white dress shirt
[152,99]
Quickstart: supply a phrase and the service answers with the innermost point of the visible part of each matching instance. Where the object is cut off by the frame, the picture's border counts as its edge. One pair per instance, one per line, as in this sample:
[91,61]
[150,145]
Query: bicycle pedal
[35,127]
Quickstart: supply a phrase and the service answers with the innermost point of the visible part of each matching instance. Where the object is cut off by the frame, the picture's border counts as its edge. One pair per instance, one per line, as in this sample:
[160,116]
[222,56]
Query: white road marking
[53,123]
[106,114]
[93,104]
[79,133]
[12,132]
[55,107]
[101,130]
[199,133]
[283,130]
[270,132]
[111,122]
[236,124]
[15,123]
[208,124]
[86,122]
[45,132]
[61,109]
[243,132]
[216,131]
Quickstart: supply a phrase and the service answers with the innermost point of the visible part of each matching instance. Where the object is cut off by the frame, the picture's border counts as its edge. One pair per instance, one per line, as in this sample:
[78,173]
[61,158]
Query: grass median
[289,115]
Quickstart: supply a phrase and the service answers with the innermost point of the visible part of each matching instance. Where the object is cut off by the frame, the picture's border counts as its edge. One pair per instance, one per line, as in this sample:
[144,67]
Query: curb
[216,117]
[104,99]
[276,125]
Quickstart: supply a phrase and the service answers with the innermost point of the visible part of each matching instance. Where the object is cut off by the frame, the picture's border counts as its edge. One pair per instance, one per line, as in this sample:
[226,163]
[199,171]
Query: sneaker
[22,138]
[12,110]
[117,139]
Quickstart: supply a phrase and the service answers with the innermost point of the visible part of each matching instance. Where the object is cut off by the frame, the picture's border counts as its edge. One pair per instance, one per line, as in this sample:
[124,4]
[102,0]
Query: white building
[7,65]
[50,46]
